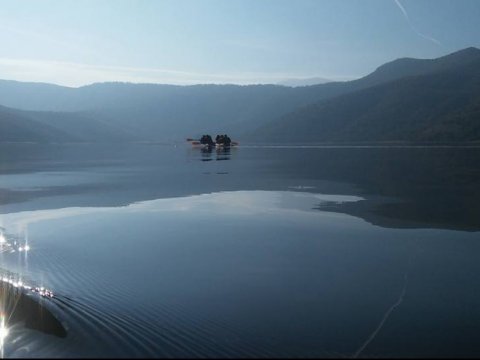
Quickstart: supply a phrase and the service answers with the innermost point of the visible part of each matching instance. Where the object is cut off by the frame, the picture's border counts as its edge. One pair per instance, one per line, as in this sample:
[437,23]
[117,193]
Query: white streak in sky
[78,74]
[403,9]
[405,14]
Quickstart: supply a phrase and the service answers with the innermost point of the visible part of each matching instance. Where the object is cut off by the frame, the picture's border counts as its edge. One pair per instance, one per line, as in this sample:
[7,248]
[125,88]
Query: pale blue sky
[77,42]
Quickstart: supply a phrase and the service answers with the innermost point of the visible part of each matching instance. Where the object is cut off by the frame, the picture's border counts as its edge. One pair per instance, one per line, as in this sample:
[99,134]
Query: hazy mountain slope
[204,108]
[294,82]
[48,97]
[36,96]
[441,106]
[168,112]
[81,126]
[20,125]
[395,70]
[16,127]
[410,67]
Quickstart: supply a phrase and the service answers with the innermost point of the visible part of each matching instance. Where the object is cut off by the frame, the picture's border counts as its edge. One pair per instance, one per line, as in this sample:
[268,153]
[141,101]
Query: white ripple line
[384,319]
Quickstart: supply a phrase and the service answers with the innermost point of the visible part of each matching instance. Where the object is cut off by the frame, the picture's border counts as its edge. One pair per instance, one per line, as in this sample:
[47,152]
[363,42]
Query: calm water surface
[167,251]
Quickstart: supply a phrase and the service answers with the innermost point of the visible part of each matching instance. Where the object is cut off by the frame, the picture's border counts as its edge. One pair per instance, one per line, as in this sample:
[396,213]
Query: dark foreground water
[167,251]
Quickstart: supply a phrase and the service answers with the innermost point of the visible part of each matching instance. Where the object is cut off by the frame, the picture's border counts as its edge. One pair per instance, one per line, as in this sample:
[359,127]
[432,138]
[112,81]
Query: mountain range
[403,100]
[294,82]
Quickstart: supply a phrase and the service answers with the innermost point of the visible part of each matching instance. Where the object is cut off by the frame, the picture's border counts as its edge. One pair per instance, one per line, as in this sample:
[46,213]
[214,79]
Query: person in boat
[223,140]
[219,139]
[206,140]
[227,141]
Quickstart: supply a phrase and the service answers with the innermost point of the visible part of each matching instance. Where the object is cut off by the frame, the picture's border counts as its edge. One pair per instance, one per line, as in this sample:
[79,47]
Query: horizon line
[179,85]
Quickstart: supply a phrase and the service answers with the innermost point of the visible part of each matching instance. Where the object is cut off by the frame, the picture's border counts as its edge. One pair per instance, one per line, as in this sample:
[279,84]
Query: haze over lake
[165,250]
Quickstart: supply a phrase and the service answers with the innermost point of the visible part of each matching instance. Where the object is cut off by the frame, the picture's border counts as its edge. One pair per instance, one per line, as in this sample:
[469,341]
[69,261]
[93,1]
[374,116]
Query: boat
[198,143]
[232,143]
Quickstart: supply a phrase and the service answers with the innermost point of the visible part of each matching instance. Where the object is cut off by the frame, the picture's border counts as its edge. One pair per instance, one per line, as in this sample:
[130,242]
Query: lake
[162,250]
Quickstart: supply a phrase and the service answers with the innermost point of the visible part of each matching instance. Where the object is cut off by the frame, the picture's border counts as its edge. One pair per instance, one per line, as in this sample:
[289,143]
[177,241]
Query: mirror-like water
[278,252]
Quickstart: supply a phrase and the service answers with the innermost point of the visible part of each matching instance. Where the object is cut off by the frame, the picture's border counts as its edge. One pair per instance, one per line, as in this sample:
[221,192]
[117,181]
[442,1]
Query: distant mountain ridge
[16,127]
[333,111]
[440,104]
[294,82]
[411,67]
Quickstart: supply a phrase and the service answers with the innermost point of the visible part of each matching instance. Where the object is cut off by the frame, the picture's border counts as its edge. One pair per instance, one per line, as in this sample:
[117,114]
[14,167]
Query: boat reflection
[210,153]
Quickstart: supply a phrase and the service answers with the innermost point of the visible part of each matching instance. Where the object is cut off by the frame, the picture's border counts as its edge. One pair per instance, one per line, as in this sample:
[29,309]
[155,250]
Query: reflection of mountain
[403,187]
[406,99]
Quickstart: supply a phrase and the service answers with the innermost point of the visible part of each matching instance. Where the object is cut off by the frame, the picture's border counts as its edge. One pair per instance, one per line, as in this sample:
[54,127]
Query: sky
[79,42]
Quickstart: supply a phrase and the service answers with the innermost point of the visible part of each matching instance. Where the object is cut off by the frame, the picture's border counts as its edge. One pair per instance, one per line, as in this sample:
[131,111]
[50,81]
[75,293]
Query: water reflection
[250,274]
[403,187]
[110,285]
[210,153]
[281,272]
[224,153]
